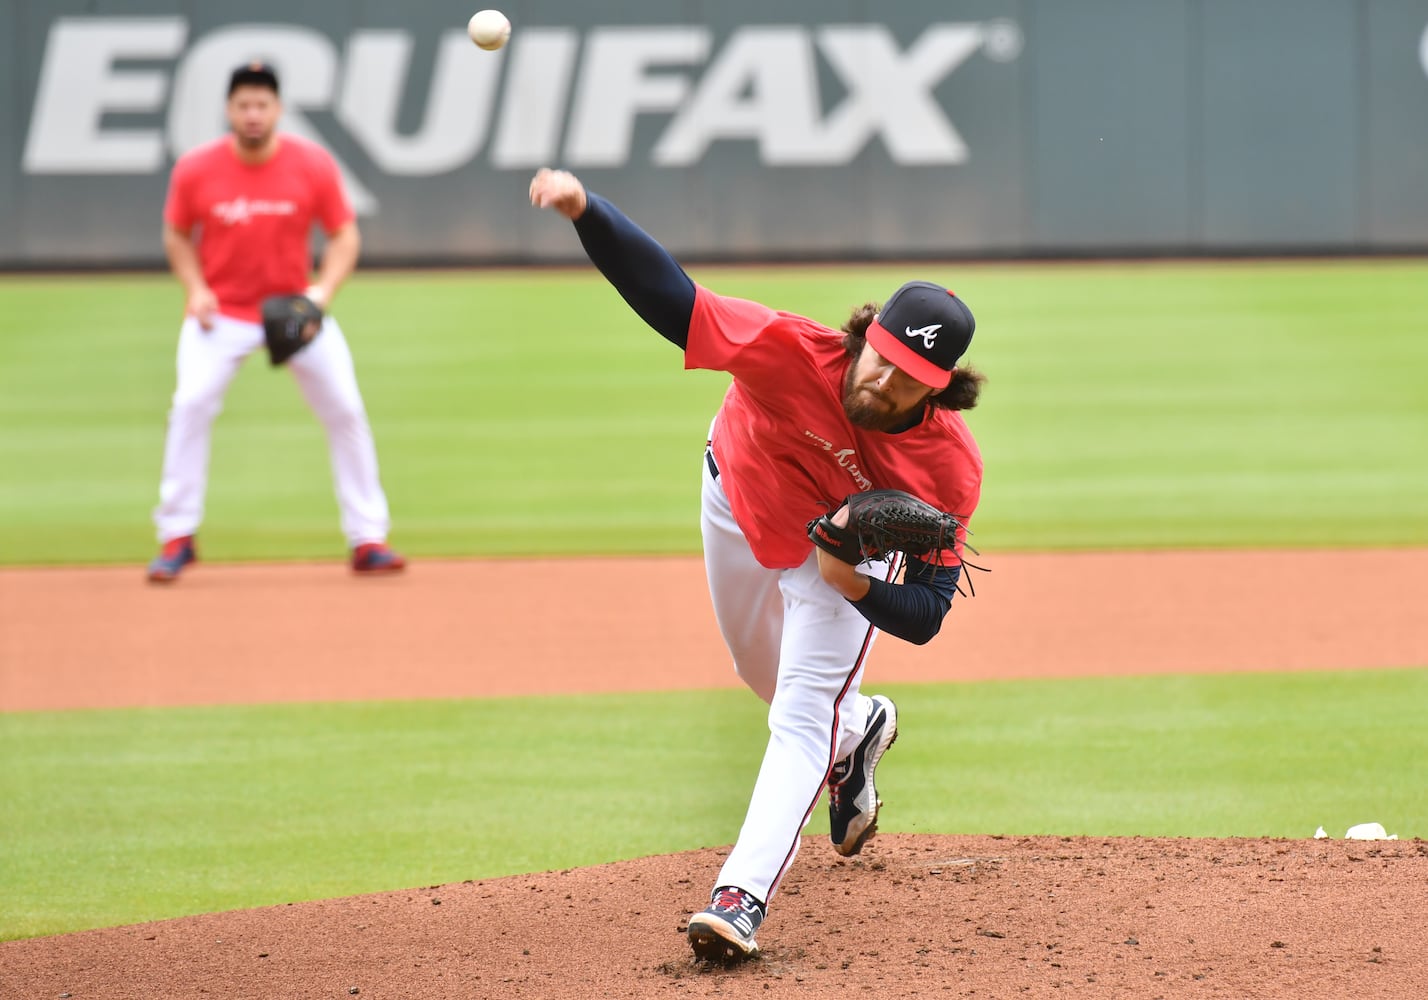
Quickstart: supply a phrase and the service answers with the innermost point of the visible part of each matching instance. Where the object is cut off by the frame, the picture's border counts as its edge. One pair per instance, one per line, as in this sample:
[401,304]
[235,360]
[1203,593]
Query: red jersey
[255,220]
[789,450]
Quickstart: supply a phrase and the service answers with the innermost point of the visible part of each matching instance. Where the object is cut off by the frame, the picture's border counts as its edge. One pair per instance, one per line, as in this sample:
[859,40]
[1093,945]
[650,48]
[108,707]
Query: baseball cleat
[853,802]
[725,931]
[175,555]
[376,557]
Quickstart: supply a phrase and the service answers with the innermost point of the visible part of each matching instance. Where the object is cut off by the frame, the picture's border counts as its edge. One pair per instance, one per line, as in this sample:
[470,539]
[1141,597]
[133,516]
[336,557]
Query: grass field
[116,817]
[1128,406]
[1140,406]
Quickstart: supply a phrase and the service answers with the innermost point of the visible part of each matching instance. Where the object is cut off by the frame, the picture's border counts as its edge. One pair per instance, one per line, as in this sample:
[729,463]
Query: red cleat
[176,554]
[376,557]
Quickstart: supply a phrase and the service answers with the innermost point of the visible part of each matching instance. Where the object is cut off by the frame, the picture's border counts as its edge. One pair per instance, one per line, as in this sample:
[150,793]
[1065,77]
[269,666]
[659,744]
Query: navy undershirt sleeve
[642,271]
[914,609]
[662,294]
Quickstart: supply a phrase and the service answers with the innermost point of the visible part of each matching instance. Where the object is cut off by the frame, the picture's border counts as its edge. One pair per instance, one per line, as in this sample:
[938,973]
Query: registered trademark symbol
[1001,40]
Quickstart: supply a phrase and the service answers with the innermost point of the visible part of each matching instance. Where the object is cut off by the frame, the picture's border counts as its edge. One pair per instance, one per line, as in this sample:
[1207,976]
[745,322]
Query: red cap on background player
[924,329]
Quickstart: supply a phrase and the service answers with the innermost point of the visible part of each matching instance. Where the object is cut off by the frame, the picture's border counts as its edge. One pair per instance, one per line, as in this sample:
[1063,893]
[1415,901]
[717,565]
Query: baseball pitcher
[838,481]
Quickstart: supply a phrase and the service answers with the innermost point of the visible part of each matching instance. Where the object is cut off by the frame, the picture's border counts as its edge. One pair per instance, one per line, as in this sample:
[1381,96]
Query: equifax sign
[553,95]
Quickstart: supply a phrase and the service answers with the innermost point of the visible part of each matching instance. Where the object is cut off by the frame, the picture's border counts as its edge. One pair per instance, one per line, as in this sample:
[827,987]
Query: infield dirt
[912,916]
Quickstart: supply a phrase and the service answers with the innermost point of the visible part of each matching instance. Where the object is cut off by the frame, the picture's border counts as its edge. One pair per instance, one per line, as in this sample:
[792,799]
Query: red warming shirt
[787,452]
[254,222]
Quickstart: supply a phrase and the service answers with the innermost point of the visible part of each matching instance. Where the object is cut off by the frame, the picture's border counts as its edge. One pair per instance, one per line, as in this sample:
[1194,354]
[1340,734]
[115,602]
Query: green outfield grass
[122,816]
[1143,405]
[1137,406]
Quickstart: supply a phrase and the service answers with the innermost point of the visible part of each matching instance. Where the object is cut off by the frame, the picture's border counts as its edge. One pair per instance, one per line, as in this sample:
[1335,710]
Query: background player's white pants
[801,647]
[207,362]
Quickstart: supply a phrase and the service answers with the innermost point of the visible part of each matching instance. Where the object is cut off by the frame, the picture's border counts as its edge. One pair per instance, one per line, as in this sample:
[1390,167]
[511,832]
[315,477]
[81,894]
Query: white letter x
[890,92]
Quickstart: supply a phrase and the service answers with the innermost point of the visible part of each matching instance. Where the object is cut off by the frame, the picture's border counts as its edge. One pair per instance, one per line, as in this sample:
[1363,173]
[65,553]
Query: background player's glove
[289,324]
[881,522]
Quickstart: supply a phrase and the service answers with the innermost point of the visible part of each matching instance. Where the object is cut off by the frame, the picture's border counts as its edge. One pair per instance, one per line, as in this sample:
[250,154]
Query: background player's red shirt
[254,223]
[789,450]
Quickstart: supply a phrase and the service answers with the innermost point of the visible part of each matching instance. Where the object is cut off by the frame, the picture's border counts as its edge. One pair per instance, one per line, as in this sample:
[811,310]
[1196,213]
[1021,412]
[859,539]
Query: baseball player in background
[812,416]
[237,223]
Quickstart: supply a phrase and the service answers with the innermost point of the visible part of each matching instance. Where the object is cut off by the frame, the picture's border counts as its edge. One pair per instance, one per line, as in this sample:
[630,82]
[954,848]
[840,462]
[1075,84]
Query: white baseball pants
[207,362]
[800,647]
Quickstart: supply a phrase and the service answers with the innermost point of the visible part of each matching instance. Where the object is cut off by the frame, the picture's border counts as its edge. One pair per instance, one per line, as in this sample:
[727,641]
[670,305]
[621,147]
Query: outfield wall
[820,129]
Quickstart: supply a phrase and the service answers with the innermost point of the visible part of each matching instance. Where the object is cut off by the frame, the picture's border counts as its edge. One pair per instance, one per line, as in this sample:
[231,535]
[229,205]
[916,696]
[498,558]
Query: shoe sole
[846,849]
[377,570]
[168,576]
[850,850]
[711,945]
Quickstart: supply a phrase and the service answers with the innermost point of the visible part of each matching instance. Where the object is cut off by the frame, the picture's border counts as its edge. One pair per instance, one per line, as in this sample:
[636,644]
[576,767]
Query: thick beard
[863,412]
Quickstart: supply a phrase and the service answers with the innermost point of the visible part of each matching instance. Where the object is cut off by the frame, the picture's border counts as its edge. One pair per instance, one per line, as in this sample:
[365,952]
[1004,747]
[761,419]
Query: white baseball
[489,29]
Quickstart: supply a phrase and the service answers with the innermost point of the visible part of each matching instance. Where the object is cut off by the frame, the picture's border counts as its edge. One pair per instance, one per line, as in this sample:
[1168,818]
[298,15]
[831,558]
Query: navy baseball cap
[253,74]
[924,329]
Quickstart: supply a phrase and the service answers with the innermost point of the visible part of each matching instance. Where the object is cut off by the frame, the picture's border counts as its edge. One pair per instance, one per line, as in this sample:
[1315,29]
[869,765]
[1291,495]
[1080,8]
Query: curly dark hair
[961,393]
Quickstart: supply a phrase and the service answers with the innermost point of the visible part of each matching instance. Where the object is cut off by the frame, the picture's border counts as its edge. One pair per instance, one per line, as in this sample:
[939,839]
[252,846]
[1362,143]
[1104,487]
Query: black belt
[709,460]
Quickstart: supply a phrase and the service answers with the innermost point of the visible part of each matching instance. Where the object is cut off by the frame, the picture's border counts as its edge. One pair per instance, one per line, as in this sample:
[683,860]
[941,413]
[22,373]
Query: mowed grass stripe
[1129,406]
[122,816]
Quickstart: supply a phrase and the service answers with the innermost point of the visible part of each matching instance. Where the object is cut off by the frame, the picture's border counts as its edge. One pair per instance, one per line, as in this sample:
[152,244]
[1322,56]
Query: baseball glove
[881,522]
[289,324]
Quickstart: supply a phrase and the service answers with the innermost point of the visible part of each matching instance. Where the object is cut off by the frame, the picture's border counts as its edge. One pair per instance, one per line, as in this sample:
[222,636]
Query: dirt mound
[913,916]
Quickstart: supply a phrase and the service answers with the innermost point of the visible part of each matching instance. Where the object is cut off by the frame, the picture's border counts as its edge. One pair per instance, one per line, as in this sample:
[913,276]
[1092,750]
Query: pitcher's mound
[913,916]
